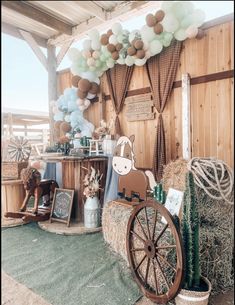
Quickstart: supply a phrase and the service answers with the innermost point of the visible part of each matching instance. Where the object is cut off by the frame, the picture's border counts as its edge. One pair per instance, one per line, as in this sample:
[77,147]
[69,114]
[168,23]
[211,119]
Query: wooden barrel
[13,194]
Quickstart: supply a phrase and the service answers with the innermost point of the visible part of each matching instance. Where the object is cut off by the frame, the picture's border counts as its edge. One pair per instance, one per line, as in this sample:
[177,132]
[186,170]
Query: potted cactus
[196,288]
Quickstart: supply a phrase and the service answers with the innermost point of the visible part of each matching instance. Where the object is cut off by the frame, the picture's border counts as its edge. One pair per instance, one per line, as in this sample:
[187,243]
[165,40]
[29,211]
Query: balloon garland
[175,20]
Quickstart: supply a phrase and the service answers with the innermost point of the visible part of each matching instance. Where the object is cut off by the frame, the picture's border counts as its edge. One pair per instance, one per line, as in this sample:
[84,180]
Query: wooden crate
[11,170]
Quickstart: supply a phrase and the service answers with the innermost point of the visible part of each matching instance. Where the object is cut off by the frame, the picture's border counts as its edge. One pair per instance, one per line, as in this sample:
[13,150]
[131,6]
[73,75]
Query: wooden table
[73,173]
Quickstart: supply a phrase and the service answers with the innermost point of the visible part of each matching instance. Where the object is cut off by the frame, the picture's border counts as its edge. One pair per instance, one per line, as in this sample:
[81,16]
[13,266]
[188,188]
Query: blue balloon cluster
[66,109]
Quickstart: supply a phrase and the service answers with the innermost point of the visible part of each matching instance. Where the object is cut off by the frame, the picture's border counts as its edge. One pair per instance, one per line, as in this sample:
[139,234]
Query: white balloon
[90,96]
[170,23]
[116,28]
[95,45]
[147,33]
[87,103]
[140,62]
[90,61]
[110,63]
[80,101]
[180,35]
[155,47]
[113,39]
[146,46]
[94,34]
[129,60]
[120,38]
[99,73]
[167,5]
[91,76]
[74,54]
[96,54]
[75,69]
[121,61]
[87,45]
[67,118]
[147,54]
[191,31]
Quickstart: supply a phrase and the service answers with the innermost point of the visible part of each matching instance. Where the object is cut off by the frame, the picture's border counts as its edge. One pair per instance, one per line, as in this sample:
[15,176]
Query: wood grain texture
[206,60]
[73,173]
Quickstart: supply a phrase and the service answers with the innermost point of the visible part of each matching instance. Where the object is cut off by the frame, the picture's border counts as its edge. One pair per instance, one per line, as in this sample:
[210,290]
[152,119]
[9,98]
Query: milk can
[92,212]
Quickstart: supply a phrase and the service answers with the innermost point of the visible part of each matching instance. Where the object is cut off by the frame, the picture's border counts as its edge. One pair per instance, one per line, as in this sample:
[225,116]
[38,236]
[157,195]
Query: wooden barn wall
[211,102]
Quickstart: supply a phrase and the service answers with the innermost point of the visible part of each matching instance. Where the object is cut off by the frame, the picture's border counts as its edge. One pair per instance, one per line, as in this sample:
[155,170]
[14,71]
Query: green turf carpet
[67,270]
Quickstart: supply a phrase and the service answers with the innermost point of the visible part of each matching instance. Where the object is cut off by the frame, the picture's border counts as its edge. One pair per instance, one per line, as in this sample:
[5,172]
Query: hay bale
[216,229]
[115,218]
[174,175]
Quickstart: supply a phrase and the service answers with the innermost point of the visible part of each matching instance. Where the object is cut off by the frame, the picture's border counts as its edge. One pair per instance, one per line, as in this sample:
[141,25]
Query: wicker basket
[189,297]
[11,170]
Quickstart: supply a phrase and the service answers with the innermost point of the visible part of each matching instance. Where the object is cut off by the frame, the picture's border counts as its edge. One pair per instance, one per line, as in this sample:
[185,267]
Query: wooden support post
[186,122]
[52,86]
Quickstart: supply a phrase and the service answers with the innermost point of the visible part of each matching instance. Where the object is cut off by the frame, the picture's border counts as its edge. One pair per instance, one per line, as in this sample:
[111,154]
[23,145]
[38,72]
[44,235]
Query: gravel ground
[14,293]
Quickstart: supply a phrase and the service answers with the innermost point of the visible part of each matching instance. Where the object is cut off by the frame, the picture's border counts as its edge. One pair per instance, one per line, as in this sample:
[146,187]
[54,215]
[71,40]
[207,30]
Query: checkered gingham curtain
[118,79]
[161,71]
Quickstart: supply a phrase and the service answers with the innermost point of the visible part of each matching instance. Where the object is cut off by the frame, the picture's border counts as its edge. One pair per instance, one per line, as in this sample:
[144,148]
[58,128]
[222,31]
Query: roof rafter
[14,31]
[93,9]
[120,12]
[32,12]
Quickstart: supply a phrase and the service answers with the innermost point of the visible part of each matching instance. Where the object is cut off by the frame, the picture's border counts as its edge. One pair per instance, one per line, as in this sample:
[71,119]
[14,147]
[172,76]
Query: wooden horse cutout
[132,182]
[37,188]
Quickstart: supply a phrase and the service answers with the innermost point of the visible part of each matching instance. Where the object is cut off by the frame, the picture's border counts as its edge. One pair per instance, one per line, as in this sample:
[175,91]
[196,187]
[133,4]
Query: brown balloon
[57,125]
[82,94]
[134,41]
[159,15]
[151,20]
[119,46]
[104,39]
[75,80]
[139,44]
[111,47]
[84,85]
[115,55]
[109,33]
[200,34]
[65,127]
[158,28]
[140,54]
[95,88]
[131,51]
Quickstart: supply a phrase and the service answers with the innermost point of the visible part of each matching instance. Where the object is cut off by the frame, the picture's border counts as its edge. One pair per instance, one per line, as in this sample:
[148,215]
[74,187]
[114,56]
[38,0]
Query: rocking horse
[37,188]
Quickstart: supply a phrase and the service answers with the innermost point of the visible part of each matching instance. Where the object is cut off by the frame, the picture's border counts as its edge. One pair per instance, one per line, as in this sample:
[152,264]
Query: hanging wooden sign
[139,108]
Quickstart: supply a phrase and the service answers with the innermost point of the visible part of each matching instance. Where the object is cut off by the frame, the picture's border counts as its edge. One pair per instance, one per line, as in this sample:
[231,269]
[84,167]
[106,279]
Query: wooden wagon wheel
[19,149]
[154,251]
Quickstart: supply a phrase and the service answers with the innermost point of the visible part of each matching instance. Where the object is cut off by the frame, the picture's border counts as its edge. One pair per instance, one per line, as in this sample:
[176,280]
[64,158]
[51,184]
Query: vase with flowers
[92,208]
[103,132]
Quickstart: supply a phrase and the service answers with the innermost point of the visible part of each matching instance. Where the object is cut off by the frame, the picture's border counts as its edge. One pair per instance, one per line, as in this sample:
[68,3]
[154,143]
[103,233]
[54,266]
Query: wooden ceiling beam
[14,31]
[122,11]
[92,8]
[34,46]
[38,15]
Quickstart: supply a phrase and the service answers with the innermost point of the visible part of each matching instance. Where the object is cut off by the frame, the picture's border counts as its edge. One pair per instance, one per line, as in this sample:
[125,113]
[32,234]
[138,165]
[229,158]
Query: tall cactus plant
[190,234]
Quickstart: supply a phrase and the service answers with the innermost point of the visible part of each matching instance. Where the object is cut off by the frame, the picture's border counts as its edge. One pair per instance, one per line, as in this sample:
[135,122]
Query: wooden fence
[209,62]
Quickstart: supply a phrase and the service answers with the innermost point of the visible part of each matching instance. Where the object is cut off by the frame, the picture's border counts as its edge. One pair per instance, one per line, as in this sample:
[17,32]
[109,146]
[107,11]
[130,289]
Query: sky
[24,79]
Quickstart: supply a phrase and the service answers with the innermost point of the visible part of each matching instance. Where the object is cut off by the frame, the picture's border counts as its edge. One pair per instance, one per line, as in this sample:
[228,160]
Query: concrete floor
[14,293]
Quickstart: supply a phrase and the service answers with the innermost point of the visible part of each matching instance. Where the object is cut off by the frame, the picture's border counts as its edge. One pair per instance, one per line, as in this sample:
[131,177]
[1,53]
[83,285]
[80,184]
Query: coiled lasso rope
[214,177]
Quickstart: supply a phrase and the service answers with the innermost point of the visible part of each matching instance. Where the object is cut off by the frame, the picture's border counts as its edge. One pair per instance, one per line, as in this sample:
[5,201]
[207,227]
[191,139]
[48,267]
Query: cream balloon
[140,62]
[116,28]
[86,45]
[191,31]
[170,23]
[113,39]
[155,47]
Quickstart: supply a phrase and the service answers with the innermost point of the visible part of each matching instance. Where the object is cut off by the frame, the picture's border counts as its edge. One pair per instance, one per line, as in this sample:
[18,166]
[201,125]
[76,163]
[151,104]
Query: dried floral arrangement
[92,182]
[103,130]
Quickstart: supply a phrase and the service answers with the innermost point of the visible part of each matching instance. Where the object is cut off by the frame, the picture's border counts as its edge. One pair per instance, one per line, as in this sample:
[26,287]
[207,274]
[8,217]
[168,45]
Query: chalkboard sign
[62,205]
